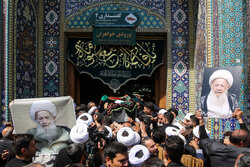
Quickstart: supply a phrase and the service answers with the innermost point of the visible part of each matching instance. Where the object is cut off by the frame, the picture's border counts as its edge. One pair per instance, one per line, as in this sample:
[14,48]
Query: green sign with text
[114,19]
[114,36]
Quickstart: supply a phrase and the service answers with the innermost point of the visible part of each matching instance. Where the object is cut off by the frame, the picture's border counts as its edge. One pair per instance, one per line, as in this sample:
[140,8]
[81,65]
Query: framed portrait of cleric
[48,119]
[220,91]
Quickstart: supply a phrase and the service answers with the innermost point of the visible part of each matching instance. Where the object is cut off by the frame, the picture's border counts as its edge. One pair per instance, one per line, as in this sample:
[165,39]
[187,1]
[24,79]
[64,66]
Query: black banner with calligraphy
[115,65]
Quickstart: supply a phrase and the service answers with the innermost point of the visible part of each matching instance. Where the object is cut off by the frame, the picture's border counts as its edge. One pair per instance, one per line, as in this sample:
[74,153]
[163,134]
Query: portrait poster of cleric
[220,91]
[48,119]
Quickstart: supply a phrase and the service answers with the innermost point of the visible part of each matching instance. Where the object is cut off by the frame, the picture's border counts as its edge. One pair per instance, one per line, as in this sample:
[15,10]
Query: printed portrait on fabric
[220,91]
[48,119]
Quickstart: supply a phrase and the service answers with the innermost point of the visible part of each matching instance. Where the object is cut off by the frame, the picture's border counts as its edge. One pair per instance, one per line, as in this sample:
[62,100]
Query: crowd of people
[115,133]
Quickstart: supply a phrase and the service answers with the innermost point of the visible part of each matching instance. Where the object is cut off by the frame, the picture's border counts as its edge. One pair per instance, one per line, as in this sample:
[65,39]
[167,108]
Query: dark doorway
[94,89]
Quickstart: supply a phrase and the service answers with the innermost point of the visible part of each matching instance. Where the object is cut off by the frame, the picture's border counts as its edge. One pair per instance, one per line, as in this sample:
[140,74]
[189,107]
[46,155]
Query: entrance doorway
[83,88]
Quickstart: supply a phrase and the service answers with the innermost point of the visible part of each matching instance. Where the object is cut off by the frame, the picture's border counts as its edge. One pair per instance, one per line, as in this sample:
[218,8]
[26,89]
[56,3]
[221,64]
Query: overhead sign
[114,19]
[113,36]
[116,65]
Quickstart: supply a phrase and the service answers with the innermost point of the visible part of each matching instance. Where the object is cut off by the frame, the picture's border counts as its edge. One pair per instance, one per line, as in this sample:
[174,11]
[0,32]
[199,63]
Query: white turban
[88,122]
[126,140]
[79,133]
[110,132]
[172,131]
[137,138]
[42,105]
[196,131]
[137,161]
[162,111]
[222,74]
[92,110]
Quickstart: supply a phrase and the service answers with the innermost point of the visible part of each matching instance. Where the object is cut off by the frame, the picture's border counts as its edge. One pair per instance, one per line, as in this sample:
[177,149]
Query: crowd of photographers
[151,136]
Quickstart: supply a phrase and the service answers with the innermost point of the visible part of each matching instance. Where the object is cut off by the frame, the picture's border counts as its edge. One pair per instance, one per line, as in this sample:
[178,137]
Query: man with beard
[219,103]
[49,137]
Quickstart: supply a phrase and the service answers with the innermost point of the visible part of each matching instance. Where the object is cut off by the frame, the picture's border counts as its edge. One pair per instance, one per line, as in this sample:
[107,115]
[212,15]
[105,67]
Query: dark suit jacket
[220,154]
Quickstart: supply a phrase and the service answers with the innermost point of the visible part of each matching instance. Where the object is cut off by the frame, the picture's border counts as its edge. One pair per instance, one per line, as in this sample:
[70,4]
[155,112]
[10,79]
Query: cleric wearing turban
[49,137]
[219,103]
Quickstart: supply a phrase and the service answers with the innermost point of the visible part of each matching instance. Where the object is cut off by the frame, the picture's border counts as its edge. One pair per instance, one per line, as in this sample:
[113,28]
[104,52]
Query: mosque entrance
[83,88]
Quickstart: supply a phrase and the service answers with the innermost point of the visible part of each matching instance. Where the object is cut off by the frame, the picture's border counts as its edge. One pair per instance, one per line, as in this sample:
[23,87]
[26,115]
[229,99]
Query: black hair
[158,136]
[169,116]
[153,162]
[115,148]
[238,135]
[81,107]
[174,147]
[84,118]
[139,154]
[22,141]
[150,106]
[194,119]
[244,160]
[145,139]
[75,152]
[173,110]
[105,120]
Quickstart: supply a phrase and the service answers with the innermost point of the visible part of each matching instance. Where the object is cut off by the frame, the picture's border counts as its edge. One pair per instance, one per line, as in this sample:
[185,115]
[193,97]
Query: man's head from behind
[116,155]
[174,147]
[220,81]
[24,145]
[174,111]
[75,152]
[169,117]
[239,138]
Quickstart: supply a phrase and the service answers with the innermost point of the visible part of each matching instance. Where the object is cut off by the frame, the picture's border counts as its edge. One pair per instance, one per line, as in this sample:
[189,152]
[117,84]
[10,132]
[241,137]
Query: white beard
[218,106]
[159,124]
[49,133]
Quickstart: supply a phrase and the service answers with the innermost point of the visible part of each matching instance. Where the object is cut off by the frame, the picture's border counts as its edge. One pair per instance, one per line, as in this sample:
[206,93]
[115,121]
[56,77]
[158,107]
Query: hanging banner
[116,65]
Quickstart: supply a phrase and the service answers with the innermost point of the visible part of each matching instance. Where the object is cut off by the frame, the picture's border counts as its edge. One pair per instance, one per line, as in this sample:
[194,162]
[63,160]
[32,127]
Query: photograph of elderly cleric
[48,119]
[48,136]
[220,92]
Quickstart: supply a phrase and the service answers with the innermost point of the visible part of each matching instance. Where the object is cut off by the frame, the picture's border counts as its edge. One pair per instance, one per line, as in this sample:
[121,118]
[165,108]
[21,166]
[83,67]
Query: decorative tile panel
[180,55]
[25,50]
[51,49]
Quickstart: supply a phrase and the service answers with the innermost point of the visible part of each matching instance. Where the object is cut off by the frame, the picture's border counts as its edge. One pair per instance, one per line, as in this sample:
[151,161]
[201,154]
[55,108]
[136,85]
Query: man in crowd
[168,117]
[150,144]
[225,155]
[25,148]
[6,145]
[161,118]
[219,102]
[116,155]
[48,136]
[174,150]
